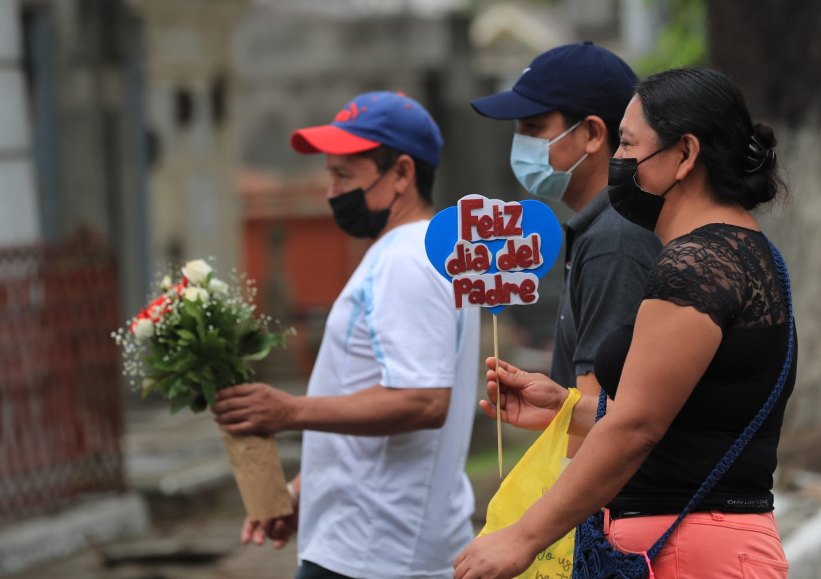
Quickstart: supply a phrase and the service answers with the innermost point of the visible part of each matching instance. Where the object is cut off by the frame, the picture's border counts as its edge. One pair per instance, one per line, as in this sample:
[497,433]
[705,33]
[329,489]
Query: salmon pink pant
[710,545]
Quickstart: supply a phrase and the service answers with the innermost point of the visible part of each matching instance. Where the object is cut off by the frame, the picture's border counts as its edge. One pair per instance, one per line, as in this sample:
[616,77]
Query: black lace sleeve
[703,271]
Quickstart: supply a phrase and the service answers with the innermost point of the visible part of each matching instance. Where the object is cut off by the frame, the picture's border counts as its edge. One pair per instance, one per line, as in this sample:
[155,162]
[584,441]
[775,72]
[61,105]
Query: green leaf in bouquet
[157,364]
[186,363]
[222,323]
[186,335]
[259,355]
[241,368]
[188,322]
[194,309]
[267,341]
[226,376]
[209,390]
[213,346]
[252,343]
[179,388]
[179,404]
[276,340]
[194,377]
[159,354]
[199,404]
[213,337]
[166,383]
[156,349]
[245,327]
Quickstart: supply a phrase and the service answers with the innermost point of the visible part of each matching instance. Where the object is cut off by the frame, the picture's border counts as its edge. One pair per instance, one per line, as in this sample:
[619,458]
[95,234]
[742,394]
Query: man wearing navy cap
[569,103]
[390,403]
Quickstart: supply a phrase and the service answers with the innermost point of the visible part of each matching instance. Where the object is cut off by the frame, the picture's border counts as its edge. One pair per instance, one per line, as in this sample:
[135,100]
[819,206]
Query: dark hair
[386,157]
[741,166]
[571,119]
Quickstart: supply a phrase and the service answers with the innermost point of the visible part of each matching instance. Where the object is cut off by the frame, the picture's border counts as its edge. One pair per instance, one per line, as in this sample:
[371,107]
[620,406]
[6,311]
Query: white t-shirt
[385,507]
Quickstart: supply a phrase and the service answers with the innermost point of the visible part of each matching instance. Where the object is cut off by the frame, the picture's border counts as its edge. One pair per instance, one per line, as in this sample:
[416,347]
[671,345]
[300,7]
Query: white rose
[217,286]
[193,294]
[197,271]
[166,283]
[144,329]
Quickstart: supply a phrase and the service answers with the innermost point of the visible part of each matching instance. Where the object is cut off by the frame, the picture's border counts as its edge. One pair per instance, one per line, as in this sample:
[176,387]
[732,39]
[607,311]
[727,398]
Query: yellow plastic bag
[530,478]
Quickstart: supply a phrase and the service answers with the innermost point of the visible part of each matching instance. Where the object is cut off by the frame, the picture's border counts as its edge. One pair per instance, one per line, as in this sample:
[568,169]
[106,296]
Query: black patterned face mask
[628,198]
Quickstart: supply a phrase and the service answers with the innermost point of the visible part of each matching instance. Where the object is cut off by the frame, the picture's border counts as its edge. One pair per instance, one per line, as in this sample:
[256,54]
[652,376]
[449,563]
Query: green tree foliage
[682,41]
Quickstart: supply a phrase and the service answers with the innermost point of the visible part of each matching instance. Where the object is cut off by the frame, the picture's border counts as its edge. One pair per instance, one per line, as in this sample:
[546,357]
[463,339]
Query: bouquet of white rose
[195,339]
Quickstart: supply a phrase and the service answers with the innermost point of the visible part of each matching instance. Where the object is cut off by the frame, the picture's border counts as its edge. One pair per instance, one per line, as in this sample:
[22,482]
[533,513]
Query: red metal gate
[61,399]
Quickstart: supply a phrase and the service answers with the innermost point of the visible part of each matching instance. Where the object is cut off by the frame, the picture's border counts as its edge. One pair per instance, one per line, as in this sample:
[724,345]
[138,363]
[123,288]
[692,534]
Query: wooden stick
[498,394]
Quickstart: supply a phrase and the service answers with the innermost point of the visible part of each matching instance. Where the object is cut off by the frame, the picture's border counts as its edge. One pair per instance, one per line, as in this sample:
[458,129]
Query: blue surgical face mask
[530,161]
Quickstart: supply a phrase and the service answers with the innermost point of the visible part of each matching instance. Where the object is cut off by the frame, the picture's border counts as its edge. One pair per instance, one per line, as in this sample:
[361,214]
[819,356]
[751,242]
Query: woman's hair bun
[760,154]
[765,135]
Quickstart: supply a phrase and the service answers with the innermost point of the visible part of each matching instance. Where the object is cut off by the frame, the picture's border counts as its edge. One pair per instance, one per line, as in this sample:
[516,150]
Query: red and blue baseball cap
[371,120]
[581,78]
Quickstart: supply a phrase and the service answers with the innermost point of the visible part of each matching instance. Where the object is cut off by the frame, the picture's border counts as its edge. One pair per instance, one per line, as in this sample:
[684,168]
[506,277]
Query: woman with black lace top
[689,372]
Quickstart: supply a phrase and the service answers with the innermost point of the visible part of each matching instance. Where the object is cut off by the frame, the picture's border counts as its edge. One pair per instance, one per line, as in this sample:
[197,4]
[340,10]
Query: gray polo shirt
[607,263]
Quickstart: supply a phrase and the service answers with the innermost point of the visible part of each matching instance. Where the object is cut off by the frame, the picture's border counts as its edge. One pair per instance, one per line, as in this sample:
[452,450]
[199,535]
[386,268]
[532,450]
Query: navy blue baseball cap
[373,119]
[582,79]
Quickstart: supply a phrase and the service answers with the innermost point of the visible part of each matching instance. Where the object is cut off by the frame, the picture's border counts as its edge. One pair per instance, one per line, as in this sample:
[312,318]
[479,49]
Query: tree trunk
[773,49]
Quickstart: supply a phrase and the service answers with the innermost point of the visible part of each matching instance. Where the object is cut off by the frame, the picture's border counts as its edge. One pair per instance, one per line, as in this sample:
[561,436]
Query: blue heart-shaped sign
[443,234]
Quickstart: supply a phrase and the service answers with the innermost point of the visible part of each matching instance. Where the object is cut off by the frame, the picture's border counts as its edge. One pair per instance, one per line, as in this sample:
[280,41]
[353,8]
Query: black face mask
[352,215]
[628,199]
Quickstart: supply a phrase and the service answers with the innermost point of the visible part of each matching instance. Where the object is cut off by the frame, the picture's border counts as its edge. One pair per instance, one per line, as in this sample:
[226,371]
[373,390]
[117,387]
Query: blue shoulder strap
[745,437]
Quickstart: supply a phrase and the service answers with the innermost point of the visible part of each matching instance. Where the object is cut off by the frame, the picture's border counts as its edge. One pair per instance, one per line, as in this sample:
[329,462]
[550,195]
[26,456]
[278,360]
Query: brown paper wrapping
[259,475]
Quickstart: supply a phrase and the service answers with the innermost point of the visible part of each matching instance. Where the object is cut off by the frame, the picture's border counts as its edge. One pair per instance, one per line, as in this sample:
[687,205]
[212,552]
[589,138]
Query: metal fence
[61,399]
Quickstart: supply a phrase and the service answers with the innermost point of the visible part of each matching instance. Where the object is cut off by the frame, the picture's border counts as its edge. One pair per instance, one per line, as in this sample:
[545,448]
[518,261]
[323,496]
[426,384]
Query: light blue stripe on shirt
[363,299]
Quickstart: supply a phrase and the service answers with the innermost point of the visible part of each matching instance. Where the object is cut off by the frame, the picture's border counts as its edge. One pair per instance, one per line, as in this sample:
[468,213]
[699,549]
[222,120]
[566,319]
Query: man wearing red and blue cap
[389,409]
[568,104]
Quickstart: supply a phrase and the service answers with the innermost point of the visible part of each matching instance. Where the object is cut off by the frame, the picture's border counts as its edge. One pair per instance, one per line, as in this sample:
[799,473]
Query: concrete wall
[298,69]
[190,104]
[19,223]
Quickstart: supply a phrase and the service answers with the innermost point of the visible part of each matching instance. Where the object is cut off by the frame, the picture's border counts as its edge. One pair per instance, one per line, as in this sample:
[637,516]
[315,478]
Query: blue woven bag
[595,558]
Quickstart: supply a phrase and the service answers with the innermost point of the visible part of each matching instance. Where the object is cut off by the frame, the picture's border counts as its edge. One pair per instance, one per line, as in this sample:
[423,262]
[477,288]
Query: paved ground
[205,547]
[204,544]
[179,465]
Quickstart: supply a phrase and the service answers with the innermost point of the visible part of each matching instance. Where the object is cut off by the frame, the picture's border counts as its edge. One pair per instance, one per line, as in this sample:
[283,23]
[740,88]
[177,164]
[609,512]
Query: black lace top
[727,272]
